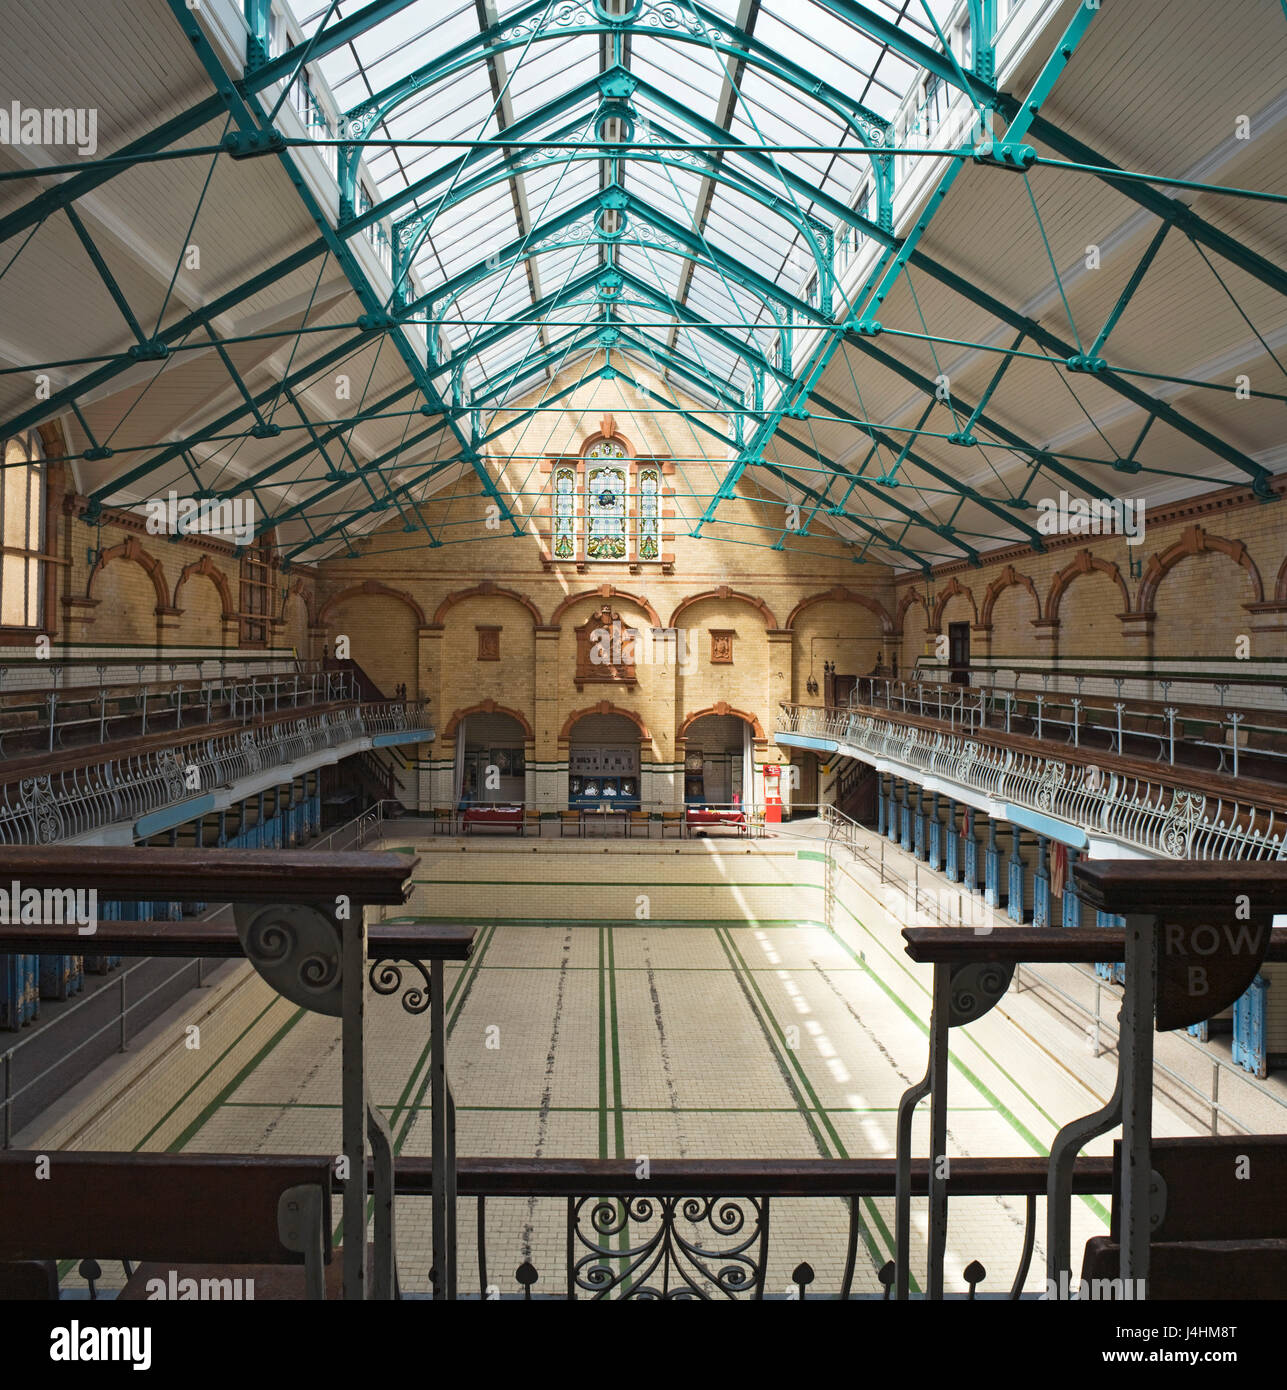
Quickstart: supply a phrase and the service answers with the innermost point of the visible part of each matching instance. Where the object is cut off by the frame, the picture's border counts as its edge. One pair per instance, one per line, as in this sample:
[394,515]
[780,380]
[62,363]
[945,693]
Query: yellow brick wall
[717,582]
[127,595]
[1196,572]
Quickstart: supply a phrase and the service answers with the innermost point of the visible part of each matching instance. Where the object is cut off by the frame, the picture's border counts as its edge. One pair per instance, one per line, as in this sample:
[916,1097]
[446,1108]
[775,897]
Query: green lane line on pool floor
[787,1063]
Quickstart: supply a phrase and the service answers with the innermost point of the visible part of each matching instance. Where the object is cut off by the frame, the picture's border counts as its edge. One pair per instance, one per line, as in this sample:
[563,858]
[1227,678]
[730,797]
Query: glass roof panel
[767,100]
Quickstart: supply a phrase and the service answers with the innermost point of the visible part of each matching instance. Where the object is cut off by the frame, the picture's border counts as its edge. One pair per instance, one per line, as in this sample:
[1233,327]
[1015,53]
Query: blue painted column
[906,809]
[1041,887]
[992,868]
[1249,1036]
[970,872]
[892,830]
[1072,905]
[935,834]
[953,864]
[1014,904]
[880,803]
[919,824]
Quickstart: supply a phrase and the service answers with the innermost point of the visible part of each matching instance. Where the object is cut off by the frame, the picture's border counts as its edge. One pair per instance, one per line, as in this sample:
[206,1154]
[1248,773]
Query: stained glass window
[649,513]
[606,502]
[565,513]
[617,517]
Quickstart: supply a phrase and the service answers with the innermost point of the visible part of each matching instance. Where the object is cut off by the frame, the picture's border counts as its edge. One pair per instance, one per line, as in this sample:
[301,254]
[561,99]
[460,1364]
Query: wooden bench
[572,820]
[639,820]
[1223,1231]
[208,1218]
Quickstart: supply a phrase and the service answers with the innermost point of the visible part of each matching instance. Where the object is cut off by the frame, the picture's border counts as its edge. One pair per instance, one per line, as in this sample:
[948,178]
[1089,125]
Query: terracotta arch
[725,592]
[608,591]
[205,566]
[371,586]
[722,708]
[607,433]
[1084,563]
[1194,541]
[603,707]
[488,707]
[130,549]
[838,595]
[487,589]
[951,590]
[1280,585]
[910,597]
[1009,578]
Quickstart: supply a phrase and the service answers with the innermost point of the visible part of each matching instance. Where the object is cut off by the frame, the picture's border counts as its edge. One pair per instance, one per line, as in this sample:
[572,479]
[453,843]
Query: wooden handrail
[218,940]
[734,1177]
[1054,945]
[200,875]
[1193,886]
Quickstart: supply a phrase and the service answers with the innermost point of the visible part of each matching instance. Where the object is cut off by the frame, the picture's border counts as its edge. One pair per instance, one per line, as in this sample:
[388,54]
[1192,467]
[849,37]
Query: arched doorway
[603,762]
[718,760]
[491,759]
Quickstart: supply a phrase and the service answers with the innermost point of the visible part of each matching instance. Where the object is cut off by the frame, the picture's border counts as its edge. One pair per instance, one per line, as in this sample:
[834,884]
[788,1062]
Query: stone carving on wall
[605,650]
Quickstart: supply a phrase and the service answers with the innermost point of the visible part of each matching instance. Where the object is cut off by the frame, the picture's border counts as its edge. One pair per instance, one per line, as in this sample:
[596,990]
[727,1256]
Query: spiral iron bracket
[296,949]
[385,977]
[976,988]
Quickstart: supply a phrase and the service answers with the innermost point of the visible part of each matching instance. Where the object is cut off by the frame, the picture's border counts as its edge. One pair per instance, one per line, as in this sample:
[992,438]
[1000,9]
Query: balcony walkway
[667,1037]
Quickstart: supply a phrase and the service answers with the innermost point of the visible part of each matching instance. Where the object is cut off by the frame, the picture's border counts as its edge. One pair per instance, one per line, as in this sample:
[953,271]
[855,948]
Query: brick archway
[487,589]
[130,549]
[722,709]
[910,597]
[1085,563]
[605,591]
[205,566]
[488,707]
[953,589]
[604,707]
[370,586]
[725,592]
[840,594]
[1009,578]
[1194,541]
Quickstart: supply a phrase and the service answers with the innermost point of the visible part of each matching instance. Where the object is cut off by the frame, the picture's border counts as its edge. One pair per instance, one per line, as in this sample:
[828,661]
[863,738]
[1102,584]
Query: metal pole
[939,1021]
[8,1098]
[353,948]
[1135,1054]
[122,1019]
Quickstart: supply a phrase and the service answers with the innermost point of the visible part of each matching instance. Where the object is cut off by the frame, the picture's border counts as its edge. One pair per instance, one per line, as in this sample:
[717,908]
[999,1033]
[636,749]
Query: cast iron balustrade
[1174,812]
[1168,730]
[85,791]
[289,925]
[701,1228]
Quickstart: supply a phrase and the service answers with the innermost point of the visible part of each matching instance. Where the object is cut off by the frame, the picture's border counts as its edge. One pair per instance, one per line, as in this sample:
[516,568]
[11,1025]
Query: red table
[493,815]
[703,817]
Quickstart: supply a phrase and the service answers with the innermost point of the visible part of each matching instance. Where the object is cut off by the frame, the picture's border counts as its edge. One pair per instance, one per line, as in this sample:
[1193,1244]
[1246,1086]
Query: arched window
[606,506]
[22,520]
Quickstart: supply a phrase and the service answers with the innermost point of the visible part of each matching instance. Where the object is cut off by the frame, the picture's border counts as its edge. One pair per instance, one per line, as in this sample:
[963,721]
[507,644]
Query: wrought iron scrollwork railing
[1159,814]
[716,1230]
[107,790]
